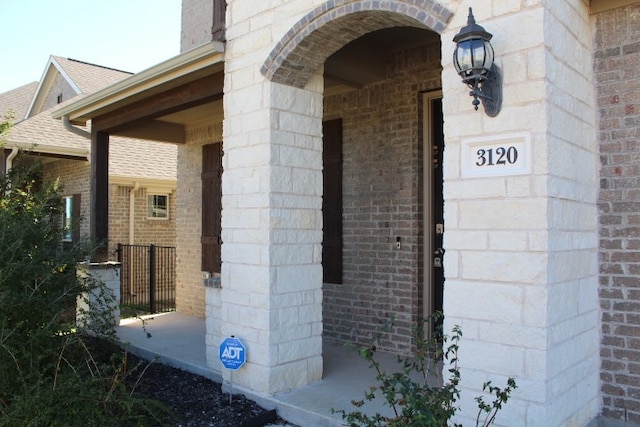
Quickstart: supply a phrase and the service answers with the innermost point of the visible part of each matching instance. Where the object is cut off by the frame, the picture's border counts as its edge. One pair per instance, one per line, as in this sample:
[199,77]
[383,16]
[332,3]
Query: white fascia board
[48,149]
[160,185]
[45,83]
[208,54]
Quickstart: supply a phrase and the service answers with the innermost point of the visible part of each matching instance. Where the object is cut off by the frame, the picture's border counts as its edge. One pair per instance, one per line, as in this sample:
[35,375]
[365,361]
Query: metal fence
[148,277]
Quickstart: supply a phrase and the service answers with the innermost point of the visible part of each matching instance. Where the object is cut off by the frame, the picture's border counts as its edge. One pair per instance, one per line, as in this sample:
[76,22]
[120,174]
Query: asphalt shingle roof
[90,77]
[17,100]
[43,130]
[128,157]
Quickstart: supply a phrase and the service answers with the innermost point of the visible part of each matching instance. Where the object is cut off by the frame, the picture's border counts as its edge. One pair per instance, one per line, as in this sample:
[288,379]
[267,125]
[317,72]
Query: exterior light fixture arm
[489,91]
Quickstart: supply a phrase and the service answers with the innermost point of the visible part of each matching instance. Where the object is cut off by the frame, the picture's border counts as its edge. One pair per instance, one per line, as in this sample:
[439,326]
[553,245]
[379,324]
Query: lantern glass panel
[488,55]
[477,53]
[463,60]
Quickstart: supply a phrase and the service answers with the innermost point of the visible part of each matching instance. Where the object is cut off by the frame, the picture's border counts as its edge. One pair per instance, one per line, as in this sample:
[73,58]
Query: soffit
[603,5]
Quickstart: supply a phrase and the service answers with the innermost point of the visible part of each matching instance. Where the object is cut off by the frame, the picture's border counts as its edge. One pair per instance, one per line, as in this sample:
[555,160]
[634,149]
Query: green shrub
[50,374]
[416,393]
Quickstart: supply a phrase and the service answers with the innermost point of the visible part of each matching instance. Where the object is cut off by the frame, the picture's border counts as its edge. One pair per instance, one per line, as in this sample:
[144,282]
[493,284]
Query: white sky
[129,35]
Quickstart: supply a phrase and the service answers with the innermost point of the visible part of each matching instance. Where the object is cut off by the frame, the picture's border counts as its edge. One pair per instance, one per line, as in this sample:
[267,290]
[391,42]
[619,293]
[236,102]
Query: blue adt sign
[232,353]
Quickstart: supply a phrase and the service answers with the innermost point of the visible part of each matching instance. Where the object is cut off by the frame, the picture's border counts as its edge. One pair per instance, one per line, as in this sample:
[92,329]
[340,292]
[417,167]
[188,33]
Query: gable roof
[130,160]
[17,100]
[82,77]
[89,77]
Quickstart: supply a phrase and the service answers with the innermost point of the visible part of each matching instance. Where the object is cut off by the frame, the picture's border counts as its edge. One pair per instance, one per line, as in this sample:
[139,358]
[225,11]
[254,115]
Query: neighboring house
[142,174]
[329,155]
[14,105]
[17,101]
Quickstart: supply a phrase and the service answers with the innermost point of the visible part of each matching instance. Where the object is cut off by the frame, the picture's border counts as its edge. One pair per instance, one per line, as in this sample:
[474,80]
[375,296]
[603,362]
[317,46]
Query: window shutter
[211,207]
[75,218]
[332,201]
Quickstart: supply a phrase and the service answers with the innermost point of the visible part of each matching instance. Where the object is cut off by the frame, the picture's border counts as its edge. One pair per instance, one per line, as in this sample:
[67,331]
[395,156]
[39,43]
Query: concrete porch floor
[179,340]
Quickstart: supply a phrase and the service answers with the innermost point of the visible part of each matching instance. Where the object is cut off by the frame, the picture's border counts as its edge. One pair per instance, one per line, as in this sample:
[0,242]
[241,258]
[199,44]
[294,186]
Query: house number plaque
[500,155]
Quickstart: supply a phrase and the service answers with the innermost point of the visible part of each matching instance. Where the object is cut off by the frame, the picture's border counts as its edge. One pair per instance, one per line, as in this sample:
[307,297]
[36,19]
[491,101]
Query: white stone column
[271,296]
[521,251]
[96,310]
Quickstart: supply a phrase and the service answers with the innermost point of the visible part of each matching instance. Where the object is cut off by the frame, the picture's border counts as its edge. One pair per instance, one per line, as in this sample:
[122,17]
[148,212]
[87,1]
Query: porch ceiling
[364,60]
[186,91]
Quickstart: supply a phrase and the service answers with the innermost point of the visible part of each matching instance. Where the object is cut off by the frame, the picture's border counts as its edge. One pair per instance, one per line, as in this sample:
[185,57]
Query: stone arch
[335,23]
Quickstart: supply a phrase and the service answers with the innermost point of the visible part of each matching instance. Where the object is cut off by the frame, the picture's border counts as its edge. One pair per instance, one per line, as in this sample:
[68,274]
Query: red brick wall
[617,66]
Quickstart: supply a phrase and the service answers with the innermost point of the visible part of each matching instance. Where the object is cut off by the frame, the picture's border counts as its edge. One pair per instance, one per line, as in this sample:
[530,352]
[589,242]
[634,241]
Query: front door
[433,202]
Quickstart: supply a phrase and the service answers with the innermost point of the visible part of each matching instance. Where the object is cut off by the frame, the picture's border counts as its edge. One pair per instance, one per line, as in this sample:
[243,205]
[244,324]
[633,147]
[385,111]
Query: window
[158,206]
[67,219]
[70,218]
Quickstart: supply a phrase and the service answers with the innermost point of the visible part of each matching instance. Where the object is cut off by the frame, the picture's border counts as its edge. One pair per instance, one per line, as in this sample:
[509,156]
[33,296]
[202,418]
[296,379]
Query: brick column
[521,251]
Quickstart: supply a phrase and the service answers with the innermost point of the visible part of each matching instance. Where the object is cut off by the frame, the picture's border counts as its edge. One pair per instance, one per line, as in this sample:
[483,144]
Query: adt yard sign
[232,353]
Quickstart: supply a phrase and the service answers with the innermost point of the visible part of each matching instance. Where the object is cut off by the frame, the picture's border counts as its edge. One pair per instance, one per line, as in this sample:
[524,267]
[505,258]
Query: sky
[129,35]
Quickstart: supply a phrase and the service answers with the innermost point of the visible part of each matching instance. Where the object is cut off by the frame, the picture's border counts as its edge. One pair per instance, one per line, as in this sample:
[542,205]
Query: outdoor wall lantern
[473,60]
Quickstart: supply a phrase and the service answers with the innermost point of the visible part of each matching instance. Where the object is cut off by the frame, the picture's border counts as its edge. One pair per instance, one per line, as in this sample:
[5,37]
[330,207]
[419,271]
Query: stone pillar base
[96,305]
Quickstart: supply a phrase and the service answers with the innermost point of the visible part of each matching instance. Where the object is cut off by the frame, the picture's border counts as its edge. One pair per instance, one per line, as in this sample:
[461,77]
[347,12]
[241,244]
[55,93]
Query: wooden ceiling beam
[155,130]
[180,98]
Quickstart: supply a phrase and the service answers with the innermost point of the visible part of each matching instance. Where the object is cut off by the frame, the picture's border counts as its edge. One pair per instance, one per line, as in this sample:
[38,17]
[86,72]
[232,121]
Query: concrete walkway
[178,340]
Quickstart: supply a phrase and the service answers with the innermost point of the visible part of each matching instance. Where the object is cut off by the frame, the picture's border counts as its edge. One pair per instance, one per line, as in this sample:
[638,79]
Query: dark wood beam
[156,130]
[180,98]
[100,194]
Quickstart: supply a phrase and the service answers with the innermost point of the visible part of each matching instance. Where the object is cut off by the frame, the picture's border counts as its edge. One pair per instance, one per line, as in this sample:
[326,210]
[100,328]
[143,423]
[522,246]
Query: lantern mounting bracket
[487,90]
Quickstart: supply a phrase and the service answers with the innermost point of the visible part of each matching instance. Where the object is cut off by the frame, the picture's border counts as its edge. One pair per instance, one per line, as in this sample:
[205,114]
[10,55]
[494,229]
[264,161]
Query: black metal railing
[147,277]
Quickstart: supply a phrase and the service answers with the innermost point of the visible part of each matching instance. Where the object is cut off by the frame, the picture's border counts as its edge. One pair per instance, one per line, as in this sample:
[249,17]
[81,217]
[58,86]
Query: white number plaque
[501,155]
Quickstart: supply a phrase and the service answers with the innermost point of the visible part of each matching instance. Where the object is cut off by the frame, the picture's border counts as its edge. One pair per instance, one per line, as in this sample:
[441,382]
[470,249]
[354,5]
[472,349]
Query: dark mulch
[195,400]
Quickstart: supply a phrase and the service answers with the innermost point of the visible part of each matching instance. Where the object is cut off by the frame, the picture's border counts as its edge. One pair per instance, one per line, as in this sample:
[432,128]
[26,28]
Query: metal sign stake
[233,355]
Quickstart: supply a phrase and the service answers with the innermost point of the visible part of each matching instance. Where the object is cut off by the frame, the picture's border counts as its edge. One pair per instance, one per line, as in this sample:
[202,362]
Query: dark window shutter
[211,207]
[332,201]
[75,218]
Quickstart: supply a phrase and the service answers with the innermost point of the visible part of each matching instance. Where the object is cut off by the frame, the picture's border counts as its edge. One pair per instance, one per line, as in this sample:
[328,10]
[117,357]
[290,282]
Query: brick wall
[617,66]
[197,21]
[146,231]
[190,295]
[382,187]
[60,86]
[74,177]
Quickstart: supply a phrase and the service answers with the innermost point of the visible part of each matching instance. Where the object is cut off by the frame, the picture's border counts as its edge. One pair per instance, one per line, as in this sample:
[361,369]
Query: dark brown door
[437,142]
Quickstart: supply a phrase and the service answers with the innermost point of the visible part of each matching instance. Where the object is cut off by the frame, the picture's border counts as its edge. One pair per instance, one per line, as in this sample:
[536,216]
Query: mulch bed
[195,400]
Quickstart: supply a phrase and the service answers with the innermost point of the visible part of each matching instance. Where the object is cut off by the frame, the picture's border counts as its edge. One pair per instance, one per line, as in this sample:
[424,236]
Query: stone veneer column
[271,296]
[521,251]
